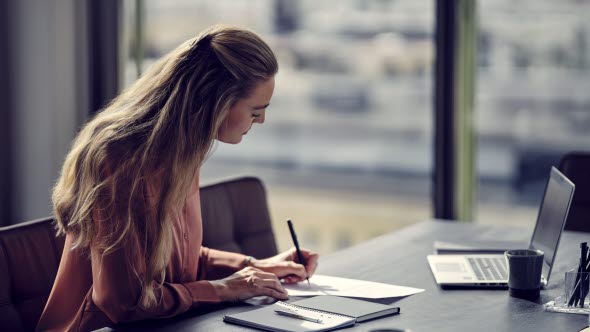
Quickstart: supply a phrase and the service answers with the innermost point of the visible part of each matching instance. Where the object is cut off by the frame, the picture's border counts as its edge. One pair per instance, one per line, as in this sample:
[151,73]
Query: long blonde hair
[165,123]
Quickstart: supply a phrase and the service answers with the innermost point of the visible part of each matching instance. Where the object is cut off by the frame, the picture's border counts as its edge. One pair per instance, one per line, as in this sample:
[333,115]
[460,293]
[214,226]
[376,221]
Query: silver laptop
[491,270]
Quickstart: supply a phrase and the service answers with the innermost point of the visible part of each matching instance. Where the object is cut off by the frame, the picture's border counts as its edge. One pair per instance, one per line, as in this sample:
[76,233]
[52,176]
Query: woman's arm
[117,285]
[217,264]
[287,267]
[117,288]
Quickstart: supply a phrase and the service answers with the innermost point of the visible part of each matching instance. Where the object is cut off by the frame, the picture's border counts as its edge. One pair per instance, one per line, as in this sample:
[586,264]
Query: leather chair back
[576,166]
[29,258]
[235,218]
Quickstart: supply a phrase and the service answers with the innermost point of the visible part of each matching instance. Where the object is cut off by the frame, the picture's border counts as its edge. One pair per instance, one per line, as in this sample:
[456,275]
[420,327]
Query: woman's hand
[286,265]
[247,283]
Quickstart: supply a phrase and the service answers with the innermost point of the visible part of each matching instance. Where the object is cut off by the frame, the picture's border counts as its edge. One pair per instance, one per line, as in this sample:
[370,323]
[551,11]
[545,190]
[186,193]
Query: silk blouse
[92,291]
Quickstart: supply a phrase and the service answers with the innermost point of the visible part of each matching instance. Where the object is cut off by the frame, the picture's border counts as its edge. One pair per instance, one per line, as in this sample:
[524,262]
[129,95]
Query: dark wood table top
[400,258]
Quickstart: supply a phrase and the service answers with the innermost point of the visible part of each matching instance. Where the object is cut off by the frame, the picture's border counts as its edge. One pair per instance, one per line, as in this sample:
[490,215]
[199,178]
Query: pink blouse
[92,291]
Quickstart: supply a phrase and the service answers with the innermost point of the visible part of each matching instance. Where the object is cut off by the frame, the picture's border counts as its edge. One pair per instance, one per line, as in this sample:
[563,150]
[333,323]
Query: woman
[128,195]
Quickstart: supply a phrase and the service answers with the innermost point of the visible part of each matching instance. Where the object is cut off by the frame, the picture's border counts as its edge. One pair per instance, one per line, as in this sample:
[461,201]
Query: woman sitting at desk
[128,195]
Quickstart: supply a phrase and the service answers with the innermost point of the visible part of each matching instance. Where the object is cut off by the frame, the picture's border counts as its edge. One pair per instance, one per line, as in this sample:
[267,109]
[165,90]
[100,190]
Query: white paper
[326,285]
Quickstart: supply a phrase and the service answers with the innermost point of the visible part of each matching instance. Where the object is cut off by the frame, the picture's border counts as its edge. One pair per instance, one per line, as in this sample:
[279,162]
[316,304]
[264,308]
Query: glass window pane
[533,104]
[346,147]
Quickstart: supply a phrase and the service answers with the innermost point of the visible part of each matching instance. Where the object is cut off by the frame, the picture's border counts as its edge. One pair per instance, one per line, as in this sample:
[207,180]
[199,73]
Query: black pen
[299,255]
[578,292]
[584,288]
[575,293]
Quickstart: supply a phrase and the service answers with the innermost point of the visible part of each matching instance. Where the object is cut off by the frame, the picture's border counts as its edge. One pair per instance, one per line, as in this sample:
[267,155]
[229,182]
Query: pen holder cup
[576,287]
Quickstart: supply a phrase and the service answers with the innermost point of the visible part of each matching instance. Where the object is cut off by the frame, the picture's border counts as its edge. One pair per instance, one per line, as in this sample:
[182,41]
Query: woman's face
[245,112]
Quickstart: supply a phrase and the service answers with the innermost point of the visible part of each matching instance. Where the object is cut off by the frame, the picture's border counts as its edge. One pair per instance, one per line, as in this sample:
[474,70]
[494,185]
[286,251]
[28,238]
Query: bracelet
[247,261]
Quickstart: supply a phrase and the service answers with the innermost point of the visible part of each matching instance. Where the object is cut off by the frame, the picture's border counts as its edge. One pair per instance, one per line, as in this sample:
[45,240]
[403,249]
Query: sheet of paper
[326,285]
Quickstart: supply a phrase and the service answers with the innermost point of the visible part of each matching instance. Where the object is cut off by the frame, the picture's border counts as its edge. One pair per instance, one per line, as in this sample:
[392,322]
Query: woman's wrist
[220,289]
[261,264]
[248,261]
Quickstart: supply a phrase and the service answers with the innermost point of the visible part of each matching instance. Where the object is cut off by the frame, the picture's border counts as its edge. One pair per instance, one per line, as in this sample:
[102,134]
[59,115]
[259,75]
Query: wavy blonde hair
[165,123]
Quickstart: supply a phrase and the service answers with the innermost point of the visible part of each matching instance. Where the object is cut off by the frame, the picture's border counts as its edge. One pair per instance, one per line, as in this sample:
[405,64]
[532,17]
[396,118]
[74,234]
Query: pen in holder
[576,288]
[574,292]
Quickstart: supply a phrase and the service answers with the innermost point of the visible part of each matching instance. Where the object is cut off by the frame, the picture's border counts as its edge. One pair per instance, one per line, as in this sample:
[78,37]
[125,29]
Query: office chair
[29,258]
[235,218]
[576,166]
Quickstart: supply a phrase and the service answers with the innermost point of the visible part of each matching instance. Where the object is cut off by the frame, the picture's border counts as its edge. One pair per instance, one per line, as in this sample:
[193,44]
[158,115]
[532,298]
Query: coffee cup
[524,276]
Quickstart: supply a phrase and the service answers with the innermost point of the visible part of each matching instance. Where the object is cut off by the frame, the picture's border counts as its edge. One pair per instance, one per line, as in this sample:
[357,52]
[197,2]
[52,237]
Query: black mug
[524,277]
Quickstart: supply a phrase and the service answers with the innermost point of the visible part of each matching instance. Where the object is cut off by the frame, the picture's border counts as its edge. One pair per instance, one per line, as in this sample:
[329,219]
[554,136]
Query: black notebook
[266,318]
[330,313]
[358,309]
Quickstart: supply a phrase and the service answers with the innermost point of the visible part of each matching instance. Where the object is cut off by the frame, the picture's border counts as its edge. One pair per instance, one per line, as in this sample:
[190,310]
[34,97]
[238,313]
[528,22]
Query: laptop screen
[552,215]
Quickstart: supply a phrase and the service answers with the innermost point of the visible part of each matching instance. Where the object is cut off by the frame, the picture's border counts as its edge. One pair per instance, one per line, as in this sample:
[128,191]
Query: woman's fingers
[311,261]
[312,264]
[273,293]
[291,268]
[247,283]
[268,284]
[286,265]
[290,280]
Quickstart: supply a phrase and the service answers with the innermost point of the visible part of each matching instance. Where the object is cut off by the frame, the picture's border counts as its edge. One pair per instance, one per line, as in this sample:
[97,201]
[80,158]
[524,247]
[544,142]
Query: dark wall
[58,64]
[5,118]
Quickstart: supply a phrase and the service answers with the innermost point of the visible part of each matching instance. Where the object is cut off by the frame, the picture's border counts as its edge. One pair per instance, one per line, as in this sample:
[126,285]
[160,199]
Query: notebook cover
[359,309]
[264,318]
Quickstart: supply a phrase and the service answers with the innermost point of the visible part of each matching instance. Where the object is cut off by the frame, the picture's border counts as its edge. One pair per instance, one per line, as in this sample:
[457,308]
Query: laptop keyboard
[489,268]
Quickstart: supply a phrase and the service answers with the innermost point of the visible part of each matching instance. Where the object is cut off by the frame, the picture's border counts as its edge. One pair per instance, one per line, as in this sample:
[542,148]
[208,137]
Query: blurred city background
[346,151]
[347,148]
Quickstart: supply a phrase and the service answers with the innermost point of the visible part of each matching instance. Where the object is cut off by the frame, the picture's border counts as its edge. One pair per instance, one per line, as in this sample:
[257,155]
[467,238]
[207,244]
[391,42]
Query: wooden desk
[400,258]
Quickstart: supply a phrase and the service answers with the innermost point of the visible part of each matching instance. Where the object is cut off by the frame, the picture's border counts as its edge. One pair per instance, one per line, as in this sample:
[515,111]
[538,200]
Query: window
[346,148]
[532,99]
